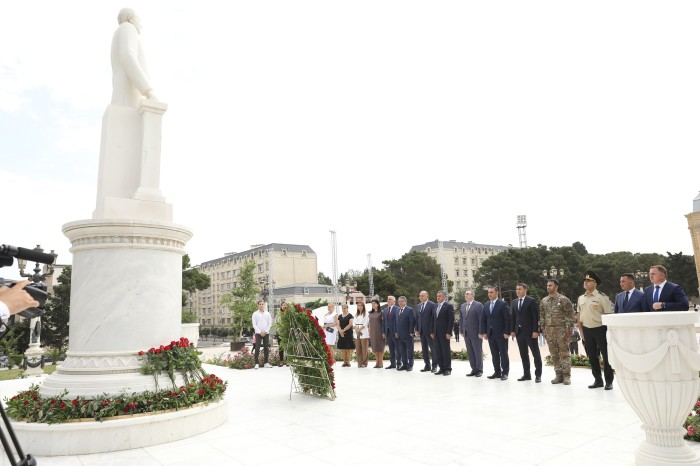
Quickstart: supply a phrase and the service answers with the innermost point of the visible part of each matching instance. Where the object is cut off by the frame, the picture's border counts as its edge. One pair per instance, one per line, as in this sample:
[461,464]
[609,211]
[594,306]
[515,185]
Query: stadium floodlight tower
[522,237]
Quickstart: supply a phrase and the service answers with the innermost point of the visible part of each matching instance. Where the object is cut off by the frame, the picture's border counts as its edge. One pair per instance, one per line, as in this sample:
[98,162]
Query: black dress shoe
[494,376]
[504,377]
[390,367]
[409,369]
[471,374]
[447,373]
[426,369]
[478,374]
[608,386]
[524,378]
[596,385]
[440,372]
[400,368]
[538,379]
[434,370]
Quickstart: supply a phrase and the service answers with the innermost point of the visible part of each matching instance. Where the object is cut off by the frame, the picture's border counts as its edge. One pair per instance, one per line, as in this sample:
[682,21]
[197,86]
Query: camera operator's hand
[15,299]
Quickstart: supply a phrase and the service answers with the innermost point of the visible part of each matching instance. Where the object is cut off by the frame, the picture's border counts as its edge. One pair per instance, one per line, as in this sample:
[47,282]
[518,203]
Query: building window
[473,260]
[329,290]
[260,268]
[456,260]
[464,261]
[456,272]
[303,252]
[228,274]
[306,291]
[455,250]
[427,250]
[284,252]
[465,272]
[228,286]
[459,284]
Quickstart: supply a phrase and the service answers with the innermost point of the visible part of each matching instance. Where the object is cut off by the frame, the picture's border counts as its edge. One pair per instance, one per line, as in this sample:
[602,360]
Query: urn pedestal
[656,364]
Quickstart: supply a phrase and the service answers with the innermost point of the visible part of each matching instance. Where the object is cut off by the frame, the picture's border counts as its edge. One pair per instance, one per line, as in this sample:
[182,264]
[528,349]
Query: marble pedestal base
[120,433]
[126,297]
[656,364]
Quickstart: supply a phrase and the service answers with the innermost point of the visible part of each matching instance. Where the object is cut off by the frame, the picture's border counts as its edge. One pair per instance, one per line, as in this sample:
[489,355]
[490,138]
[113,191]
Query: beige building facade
[462,260]
[290,263]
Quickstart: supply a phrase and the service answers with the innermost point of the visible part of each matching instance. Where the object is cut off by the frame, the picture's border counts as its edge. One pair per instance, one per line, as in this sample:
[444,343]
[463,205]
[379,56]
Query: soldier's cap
[592,276]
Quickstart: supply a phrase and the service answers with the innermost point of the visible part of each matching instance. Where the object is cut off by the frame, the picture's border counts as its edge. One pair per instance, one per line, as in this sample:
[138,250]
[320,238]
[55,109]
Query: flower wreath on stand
[302,320]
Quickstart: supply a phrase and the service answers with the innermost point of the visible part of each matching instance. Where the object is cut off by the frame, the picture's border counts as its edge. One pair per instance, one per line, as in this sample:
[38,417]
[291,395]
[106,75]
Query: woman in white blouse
[330,327]
[362,334]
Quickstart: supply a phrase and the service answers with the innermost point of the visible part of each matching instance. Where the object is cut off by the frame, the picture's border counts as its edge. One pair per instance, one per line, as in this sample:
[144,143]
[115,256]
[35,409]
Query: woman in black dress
[345,340]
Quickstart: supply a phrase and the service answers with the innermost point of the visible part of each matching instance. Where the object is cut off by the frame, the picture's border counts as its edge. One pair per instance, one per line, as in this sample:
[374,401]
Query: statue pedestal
[656,364]
[125,298]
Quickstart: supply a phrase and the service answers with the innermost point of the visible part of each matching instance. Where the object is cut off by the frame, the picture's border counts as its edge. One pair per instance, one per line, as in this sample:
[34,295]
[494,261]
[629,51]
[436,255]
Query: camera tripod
[22,459]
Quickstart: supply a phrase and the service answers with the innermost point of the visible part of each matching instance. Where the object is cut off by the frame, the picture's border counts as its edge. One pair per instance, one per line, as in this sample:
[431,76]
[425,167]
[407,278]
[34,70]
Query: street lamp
[553,272]
[639,277]
[34,356]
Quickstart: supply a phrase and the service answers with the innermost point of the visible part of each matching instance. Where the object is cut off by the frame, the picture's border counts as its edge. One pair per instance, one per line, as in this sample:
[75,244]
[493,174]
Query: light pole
[639,277]
[34,356]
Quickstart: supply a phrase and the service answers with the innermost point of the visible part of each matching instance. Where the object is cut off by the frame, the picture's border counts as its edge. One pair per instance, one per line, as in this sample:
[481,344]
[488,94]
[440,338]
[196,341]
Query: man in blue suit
[495,328]
[663,295]
[443,326]
[405,328]
[389,330]
[424,324]
[469,320]
[630,299]
[524,325]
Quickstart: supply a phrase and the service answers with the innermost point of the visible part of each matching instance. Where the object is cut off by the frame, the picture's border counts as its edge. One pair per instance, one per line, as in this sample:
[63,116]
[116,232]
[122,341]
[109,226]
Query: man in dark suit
[389,330]
[630,299]
[495,328]
[663,295]
[443,325]
[525,325]
[469,320]
[405,328]
[424,324]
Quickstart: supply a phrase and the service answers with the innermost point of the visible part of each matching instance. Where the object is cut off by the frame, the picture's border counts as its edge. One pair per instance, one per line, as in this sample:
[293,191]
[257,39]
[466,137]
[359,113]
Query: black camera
[37,291]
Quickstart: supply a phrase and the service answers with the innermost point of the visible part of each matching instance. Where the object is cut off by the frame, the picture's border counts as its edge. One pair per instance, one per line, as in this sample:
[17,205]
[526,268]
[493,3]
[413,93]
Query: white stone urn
[191,332]
[656,364]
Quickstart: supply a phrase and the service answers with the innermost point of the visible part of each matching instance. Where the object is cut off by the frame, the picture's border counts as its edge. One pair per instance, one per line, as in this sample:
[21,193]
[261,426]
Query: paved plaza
[398,418]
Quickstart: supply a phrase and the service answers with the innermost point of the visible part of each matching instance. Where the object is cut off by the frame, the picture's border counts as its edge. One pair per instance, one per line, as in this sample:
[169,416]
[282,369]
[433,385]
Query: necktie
[656,294]
[421,308]
[466,313]
[388,312]
[520,303]
[627,298]
[400,312]
[491,308]
[437,311]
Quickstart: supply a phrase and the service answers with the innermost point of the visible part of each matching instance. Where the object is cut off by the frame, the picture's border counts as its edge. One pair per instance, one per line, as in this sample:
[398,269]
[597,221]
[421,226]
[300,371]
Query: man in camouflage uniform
[557,315]
[591,306]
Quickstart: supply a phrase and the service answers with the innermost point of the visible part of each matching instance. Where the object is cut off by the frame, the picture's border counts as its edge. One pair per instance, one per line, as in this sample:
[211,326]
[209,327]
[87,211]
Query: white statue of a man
[129,72]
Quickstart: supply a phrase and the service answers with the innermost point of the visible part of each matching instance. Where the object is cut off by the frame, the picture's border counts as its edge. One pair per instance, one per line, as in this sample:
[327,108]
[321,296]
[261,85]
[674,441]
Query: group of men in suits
[432,322]
[496,322]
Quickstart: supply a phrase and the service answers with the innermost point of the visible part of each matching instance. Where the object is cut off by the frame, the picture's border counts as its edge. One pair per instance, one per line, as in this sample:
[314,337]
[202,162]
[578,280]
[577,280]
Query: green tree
[384,283]
[413,272]
[323,279]
[55,322]
[243,300]
[192,280]
[681,270]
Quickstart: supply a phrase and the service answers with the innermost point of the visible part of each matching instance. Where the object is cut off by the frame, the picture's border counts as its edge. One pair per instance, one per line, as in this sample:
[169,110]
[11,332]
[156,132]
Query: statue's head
[128,15]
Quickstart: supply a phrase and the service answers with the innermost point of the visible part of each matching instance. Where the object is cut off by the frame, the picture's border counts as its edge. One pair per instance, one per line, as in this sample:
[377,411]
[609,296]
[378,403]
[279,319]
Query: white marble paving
[399,418]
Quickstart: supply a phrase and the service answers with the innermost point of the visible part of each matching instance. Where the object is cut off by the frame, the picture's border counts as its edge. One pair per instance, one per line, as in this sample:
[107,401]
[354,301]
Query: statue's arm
[129,59]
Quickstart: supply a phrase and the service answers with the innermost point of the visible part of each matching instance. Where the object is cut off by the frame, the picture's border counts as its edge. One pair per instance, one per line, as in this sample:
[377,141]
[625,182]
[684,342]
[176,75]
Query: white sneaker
[257,366]
[268,365]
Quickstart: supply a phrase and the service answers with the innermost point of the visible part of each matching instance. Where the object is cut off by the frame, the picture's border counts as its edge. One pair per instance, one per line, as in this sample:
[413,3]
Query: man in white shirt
[262,321]
[15,299]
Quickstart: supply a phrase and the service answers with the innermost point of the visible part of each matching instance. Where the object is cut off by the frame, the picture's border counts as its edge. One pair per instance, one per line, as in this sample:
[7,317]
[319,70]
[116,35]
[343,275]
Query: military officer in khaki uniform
[591,307]
[557,318]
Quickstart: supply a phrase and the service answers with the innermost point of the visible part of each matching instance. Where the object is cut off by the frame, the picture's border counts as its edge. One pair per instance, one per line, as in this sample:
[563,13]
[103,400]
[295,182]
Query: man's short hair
[523,285]
[661,269]
[553,280]
[628,275]
[261,301]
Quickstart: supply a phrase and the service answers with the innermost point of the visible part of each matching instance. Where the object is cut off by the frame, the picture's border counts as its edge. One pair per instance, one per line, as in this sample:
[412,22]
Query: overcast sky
[392,122]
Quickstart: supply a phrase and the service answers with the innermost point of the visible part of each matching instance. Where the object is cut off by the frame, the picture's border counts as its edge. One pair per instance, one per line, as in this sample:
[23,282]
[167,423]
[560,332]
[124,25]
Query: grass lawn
[15,373]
